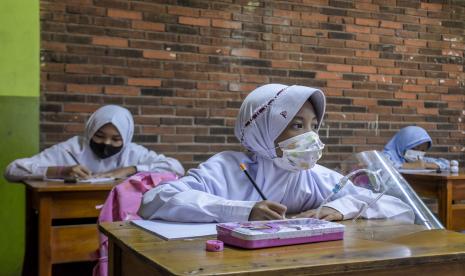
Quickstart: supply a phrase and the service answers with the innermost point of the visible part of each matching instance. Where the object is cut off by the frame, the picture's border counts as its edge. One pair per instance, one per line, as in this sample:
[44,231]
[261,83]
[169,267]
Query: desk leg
[114,259]
[45,228]
[449,205]
[30,252]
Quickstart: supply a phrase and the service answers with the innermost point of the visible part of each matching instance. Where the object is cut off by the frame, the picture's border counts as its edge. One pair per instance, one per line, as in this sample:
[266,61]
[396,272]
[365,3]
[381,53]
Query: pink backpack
[122,204]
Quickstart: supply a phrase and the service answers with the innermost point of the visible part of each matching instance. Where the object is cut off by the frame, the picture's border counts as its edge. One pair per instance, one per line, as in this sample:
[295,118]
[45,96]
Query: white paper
[176,230]
[96,180]
[417,170]
[90,180]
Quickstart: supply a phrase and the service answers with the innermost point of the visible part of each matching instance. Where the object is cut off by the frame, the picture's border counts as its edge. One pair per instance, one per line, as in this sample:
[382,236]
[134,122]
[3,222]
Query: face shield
[371,170]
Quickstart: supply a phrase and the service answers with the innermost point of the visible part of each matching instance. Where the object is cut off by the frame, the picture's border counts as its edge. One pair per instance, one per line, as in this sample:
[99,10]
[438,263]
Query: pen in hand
[82,170]
[244,169]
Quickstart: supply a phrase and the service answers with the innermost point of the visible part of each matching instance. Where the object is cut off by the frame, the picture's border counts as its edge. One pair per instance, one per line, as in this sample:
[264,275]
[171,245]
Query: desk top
[366,245]
[54,186]
[436,176]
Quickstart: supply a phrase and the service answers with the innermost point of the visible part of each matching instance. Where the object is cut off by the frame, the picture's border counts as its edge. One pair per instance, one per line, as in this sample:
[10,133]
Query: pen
[72,179]
[244,169]
[74,158]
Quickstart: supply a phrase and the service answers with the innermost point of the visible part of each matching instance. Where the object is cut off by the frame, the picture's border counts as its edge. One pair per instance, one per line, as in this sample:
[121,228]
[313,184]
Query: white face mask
[413,155]
[300,152]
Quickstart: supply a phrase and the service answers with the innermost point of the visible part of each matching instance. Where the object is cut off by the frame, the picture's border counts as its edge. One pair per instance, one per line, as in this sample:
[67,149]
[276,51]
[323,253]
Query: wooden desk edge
[323,269]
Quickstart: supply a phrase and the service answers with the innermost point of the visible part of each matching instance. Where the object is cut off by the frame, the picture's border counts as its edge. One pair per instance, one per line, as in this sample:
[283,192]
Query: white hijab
[118,116]
[267,111]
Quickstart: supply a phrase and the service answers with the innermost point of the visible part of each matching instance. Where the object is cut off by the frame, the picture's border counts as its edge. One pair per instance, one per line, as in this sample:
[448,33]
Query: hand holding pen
[264,210]
[77,171]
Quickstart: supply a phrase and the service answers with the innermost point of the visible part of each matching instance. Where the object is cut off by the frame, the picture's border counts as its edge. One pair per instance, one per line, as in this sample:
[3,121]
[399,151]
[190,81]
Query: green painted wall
[19,118]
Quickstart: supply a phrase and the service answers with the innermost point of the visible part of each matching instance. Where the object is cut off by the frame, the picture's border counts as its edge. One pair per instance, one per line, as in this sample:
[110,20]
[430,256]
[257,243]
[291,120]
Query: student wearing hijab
[277,124]
[407,148]
[105,150]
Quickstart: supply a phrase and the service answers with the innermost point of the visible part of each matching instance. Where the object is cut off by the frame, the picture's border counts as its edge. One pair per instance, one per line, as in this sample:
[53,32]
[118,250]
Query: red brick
[244,87]
[80,108]
[86,89]
[368,54]
[149,26]
[53,46]
[427,81]
[144,82]
[124,14]
[328,76]
[364,69]
[156,129]
[414,88]
[391,25]
[339,83]
[357,29]
[226,24]
[110,41]
[357,44]
[381,78]
[452,68]
[339,68]
[194,21]
[408,96]
[244,52]
[167,55]
[415,42]
[276,21]
[314,17]
[294,15]
[366,6]
[84,68]
[286,47]
[177,10]
[427,111]
[211,86]
[215,14]
[383,63]
[52,67]
[285,64]
[255,78]
[122,90]
[368,38]
[431,6]
[389,71]
[367,22]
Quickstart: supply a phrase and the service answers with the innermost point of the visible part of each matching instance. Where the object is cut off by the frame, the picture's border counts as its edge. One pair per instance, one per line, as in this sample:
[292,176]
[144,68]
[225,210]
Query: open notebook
[176,230]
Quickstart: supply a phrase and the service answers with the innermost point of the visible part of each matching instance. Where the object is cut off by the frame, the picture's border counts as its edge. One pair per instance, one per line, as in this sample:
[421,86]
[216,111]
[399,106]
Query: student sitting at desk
[407,147]
[104,151]
[270,117]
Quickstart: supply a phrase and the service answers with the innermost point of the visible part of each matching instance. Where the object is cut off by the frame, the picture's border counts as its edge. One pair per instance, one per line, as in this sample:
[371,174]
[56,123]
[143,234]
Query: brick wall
[182,67]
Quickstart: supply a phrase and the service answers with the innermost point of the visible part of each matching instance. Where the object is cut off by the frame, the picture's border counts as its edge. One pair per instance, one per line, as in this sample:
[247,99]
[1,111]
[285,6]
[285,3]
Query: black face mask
[103,150]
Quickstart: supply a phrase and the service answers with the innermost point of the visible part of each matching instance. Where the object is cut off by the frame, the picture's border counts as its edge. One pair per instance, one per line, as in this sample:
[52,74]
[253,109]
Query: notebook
[176,230]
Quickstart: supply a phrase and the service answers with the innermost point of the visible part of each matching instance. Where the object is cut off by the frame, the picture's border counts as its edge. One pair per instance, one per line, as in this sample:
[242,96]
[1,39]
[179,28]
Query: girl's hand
[326,213]
[73,172]
[117,173]
[267,210]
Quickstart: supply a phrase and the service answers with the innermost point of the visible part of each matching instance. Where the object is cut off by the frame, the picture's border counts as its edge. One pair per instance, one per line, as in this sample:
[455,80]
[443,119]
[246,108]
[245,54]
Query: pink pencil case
[259,234]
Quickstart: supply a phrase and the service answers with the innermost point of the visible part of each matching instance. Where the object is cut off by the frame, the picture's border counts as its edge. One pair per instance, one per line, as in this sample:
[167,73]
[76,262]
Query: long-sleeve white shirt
[35,167]
[218,191]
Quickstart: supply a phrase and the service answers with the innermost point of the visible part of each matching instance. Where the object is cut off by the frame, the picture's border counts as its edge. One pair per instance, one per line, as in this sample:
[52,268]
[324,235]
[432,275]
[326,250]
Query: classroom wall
[19,123]
[183,67]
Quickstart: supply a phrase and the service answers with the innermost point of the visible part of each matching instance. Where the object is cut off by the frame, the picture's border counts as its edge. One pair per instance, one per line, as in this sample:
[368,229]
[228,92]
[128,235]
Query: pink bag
[122,204]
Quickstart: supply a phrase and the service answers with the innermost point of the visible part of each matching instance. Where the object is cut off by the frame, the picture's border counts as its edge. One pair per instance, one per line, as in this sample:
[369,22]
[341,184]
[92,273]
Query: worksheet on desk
[90,180]
[416,170]
[177,230]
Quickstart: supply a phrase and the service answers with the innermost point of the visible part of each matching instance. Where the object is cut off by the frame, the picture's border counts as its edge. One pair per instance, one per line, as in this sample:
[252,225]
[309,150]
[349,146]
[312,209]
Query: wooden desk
[71,241]
[449,189]
[369,248]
